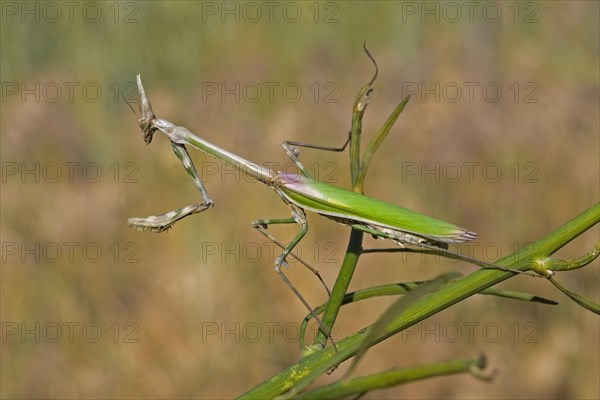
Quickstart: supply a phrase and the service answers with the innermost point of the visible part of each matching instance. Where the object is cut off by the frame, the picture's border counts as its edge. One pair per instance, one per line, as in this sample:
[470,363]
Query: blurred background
[501,135]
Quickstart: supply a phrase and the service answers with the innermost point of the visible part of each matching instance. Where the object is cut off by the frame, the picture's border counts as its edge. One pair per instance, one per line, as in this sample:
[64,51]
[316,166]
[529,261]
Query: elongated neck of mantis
[181,135]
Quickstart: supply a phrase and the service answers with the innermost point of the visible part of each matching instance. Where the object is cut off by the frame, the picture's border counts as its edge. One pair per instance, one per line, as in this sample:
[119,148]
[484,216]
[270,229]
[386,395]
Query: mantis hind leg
[261,226]
[298,217]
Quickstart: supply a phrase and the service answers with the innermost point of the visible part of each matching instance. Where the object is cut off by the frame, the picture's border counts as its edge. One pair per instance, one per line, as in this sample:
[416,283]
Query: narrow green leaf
[577,298]
[510,294]
[301,374]
[378,139]
[389,289]
[395,289]
[394,313]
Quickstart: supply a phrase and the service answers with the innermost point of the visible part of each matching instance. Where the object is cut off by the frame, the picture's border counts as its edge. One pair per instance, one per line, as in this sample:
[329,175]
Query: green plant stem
[340,288]
[341,285]
[299,375]
[548,245]
[400,288]
[392,378]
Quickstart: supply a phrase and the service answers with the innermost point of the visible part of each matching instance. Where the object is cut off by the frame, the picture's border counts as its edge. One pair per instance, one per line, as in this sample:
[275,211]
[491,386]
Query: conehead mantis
[301,193]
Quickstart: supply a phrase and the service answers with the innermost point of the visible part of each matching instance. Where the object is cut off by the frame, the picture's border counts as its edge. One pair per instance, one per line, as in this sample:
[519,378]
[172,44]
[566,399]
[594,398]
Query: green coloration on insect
[343,205]
[300,192]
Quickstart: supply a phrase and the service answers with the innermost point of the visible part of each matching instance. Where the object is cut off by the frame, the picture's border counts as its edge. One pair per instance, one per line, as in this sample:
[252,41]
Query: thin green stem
[395,377]
[340,287]
[548,245]
[354,249]
[577,298]
[299,375]
[400,288]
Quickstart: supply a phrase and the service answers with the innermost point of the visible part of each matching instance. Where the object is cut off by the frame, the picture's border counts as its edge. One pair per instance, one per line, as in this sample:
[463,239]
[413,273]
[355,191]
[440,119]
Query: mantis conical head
[147,116]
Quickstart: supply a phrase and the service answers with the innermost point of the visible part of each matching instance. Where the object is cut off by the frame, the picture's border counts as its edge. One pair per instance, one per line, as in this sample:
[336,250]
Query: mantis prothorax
[300,192]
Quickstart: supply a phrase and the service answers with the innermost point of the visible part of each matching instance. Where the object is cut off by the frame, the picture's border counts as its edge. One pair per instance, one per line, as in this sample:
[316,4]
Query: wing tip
[465,236]
[462,235]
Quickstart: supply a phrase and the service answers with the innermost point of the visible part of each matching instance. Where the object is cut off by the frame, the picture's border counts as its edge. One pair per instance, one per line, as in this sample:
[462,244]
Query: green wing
[346,205]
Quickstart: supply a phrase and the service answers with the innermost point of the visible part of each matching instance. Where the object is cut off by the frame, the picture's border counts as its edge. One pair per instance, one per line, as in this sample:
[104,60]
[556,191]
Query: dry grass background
[175,291]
